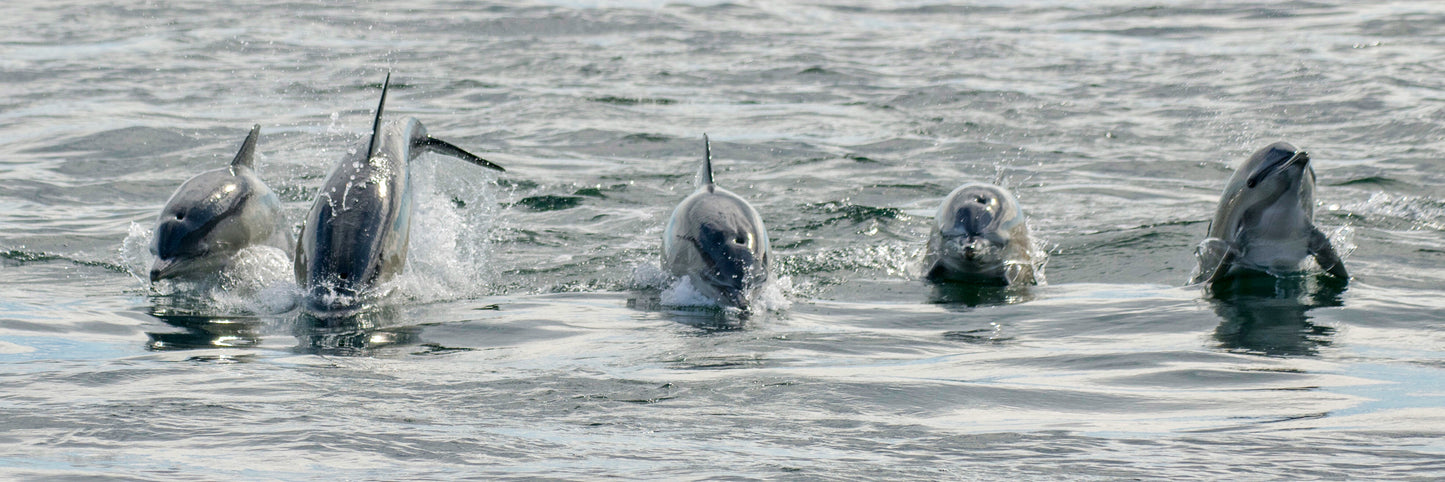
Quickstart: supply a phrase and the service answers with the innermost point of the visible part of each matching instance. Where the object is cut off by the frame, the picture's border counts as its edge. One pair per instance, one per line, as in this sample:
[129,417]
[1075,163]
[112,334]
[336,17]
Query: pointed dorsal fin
[376,125]
[247,155]
[446,148]
[704,175]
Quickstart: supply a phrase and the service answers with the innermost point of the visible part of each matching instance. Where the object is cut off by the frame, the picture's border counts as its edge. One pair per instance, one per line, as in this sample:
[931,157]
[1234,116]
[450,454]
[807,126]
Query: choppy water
[534,337]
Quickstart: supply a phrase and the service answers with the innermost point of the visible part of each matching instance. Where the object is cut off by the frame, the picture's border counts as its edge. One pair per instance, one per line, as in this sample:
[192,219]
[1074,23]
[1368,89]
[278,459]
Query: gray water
[533,334]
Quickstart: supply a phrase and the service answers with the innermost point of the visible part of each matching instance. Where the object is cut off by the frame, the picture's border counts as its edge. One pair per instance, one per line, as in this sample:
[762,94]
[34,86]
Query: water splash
[135,253]
[259,279]
[450,248]
[682,293]
[1418,212]
[1038,257]
[1343,239]
[679,292]
[650,276]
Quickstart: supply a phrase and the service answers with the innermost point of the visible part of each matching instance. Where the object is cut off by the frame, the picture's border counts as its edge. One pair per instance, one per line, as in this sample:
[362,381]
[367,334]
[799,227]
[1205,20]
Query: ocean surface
[534,334]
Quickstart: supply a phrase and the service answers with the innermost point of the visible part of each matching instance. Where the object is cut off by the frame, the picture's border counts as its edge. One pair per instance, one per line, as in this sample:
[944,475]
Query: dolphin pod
[216,214]
[717,240]
[355,236]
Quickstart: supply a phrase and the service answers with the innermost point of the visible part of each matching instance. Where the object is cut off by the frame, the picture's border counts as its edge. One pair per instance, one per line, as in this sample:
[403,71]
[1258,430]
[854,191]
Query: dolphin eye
[180,216]
[980,200]
[741,239]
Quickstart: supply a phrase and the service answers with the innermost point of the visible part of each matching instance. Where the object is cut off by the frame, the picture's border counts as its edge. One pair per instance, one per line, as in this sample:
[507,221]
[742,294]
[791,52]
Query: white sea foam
[450,249]
[258,280]
[678,290]
[135,251]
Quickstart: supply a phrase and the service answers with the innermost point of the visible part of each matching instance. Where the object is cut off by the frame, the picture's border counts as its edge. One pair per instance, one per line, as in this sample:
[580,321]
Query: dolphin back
[355,236]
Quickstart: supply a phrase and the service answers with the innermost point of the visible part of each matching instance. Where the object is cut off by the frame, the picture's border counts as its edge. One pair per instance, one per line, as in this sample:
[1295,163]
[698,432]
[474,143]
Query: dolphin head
[1277,167]
[973,230]
[1278,174]
[733,260]
[213,215]
[718,239]
[198,230]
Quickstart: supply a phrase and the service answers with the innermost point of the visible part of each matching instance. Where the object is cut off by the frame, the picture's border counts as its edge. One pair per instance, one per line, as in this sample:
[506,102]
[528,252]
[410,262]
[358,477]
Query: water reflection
[1267,315]
[710,319]
[203,331]
[964,296]
[360,334]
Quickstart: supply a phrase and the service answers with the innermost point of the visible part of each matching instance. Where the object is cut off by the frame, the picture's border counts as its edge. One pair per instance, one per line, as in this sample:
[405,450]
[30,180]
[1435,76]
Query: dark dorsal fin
[443,147]
[247,155]
[376,125]
[704,175]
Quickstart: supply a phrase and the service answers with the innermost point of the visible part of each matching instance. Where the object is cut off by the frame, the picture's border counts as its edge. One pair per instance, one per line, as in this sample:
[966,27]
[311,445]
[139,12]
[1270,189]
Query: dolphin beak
[1299,157]
[736,297]
[164,268]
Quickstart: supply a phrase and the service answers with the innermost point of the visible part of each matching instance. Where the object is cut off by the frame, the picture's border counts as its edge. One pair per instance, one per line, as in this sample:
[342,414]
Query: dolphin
[214,215]
[979,236]
[716,239]
[1265,220]
[356,233]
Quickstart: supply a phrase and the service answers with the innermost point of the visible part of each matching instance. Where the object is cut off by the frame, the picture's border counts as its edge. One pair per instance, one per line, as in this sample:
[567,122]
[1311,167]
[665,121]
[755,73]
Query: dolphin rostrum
[214,215]
[1265,220]
[355,236]
[716,239]
[979,236]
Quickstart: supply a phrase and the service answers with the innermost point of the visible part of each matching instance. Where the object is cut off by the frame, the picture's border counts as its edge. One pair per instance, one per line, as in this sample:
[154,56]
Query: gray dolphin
[1265,220]
[979,236]
[716,239]
[355,236]
[216,214]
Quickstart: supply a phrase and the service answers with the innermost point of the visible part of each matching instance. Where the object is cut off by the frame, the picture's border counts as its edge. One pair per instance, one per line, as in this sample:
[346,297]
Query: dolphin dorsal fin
[704,175]
[446,148]
[247,155]
[376,125]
